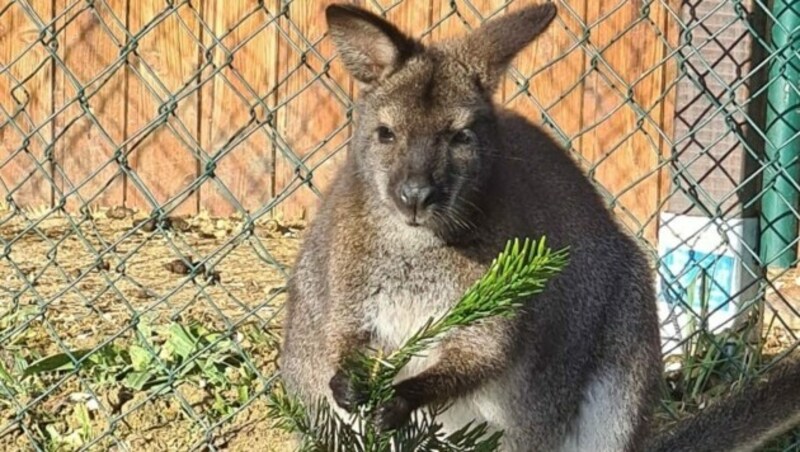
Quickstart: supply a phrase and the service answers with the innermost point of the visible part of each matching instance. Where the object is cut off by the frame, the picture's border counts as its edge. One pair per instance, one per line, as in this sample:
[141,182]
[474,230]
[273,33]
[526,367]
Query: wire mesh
[158,161]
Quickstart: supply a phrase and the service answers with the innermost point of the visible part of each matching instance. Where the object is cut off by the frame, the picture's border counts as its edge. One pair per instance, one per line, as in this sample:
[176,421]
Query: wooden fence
[84,87]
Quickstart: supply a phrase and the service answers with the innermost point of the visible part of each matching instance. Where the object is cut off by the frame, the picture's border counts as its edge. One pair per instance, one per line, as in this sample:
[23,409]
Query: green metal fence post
[782,150]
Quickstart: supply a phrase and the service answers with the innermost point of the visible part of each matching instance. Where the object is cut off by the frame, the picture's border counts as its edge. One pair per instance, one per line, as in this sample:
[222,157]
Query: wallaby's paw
[393,414]
[345,393]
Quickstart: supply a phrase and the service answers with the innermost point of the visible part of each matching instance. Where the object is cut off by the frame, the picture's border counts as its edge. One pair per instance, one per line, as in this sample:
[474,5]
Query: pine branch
[519,272]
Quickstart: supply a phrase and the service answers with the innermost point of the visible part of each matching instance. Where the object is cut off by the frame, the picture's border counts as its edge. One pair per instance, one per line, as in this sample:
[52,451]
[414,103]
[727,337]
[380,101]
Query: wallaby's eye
[385,135]
[463,136]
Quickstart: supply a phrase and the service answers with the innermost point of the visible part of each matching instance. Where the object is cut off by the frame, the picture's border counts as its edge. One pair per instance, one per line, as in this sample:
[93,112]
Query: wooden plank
[623,149]
[91,39]
[664,16]
[245,35]
[312,120]
[655,94]
[25,93]
[164,64]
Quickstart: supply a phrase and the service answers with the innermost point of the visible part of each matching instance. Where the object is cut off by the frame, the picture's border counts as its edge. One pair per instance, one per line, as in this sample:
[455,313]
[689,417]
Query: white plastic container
[707,271]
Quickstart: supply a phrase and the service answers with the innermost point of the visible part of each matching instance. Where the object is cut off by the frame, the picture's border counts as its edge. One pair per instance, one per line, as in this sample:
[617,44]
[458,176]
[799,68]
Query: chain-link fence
[158,160]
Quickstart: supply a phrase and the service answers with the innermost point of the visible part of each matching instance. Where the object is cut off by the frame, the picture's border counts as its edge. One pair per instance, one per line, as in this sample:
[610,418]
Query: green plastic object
[779,205]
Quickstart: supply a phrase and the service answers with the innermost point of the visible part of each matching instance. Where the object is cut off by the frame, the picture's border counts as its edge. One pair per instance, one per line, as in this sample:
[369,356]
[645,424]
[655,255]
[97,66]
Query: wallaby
[437,179]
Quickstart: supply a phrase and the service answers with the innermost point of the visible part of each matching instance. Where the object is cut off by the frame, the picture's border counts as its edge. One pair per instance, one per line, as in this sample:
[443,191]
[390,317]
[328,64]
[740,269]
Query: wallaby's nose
[415,193]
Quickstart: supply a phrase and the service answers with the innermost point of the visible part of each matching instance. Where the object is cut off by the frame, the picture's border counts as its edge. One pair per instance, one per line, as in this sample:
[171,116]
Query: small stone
[207,231]
[147,225]
[213,277]
[93,405]
[180,224]
[27,270]
[178,267]
[119,213]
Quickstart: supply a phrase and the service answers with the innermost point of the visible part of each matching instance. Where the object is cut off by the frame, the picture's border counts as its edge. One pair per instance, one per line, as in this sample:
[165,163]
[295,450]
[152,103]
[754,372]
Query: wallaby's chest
[405,292]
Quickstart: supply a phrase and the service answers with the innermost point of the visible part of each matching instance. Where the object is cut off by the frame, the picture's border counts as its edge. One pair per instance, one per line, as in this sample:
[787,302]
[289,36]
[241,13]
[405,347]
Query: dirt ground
[56,294]
[88,301]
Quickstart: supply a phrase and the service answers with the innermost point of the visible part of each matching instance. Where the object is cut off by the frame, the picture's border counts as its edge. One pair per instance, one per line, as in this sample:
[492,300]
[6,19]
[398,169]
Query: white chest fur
[407,291]
[397,315]
[395,312]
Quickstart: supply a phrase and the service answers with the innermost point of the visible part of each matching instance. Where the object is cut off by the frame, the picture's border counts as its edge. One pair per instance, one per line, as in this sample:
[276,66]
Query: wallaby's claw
[345,393]
[393,414]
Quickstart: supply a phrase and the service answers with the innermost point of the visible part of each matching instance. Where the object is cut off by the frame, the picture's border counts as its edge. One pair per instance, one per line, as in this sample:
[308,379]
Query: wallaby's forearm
[458,373]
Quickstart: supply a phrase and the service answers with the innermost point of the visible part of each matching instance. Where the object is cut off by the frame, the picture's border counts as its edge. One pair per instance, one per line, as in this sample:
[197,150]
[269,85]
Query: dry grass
[54,297]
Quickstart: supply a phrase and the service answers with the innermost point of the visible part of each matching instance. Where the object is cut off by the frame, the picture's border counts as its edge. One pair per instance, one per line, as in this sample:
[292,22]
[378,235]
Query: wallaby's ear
[493,45]
[369,46]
